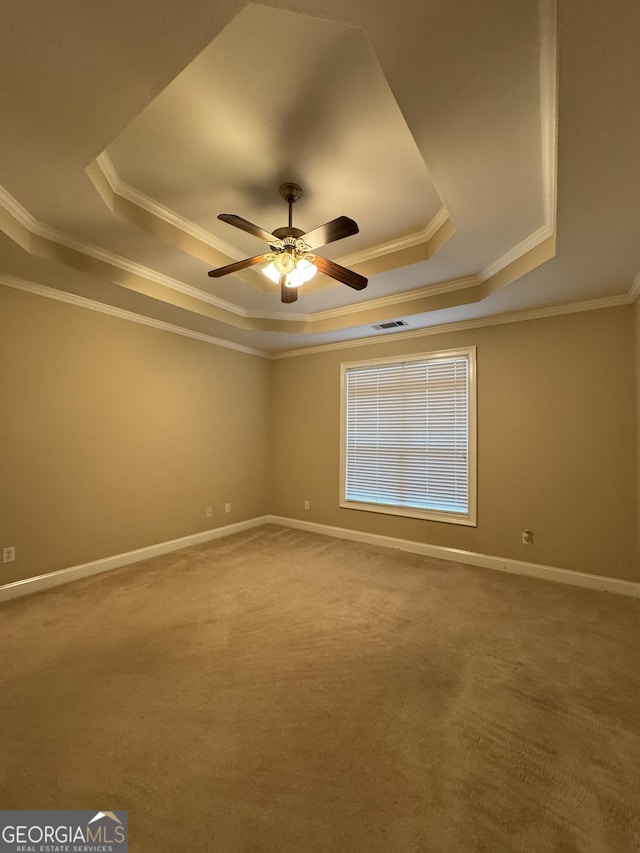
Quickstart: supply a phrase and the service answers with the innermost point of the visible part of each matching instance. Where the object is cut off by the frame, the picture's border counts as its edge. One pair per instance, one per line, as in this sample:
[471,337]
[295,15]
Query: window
[408,443]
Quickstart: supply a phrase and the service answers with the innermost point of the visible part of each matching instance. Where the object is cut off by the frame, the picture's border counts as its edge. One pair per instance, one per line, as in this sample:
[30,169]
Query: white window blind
[407,435]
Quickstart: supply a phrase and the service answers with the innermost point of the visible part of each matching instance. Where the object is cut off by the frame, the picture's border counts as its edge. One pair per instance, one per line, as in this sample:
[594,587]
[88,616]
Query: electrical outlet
[208,511]
[527,537]
[9,554]
[306,504]
[227,507]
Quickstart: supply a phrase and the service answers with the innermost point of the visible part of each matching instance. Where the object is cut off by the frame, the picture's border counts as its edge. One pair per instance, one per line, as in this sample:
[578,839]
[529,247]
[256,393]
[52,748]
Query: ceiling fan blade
[247,226]
[330,232]
[239,265]
[333,270]
[287,294]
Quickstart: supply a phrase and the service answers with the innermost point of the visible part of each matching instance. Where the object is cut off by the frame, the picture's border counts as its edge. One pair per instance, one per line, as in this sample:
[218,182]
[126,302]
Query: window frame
[469,518]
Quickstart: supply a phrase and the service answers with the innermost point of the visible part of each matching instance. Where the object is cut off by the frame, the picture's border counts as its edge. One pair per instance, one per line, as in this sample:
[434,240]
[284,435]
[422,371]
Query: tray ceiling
[435,126]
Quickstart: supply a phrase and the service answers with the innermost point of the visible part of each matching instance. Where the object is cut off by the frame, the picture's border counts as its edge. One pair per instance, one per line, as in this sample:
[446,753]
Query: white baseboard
[501,564]
[40,582]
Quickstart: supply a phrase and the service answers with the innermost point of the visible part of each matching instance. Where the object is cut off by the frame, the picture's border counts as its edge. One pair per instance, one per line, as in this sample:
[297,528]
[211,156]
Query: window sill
[466,520]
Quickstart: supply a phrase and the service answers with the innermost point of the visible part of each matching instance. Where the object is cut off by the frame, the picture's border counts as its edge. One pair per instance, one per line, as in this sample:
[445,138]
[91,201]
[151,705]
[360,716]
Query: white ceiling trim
[151,205]
[464,325]
[382,302]
[549,148]
[516,252]
[549,107]
[33,226]
[40,229]
[549,139]
[121,313]
[135,196]
[119,187]
[22,216]
[401,243]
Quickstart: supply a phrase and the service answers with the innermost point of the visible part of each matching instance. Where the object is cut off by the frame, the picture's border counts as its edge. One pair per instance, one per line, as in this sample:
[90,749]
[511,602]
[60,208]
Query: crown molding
[151,205]
[464,325]
[20,225]
[549,140]
[121,313]
[548,115]
[549,135]
[401,243]
[111,258]
[33,226]
[40,229]
[445,328]
[24,218]
[17,211]
[516,252]
[549,107]
[140,199]
[381,302]
[134,207]
[548,89]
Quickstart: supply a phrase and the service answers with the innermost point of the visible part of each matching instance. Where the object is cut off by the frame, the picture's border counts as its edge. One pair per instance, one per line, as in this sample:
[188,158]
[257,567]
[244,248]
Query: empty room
[319,446]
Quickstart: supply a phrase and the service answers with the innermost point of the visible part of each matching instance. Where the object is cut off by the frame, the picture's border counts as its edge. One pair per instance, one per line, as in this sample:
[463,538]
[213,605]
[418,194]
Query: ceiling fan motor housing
[287,231]
[290,192]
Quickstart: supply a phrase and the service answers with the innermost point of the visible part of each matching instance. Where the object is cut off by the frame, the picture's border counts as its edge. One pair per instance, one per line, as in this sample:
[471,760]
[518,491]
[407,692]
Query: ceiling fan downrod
[290,193]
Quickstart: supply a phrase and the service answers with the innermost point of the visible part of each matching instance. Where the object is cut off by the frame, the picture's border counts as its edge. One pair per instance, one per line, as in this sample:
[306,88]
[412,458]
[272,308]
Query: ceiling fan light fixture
[284,262]
[304,271]
[289,263]
[271,272]
[293,280]
[306,268]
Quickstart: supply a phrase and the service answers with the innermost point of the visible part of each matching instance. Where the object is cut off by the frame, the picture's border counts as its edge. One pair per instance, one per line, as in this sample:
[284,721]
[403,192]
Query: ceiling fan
[290,261]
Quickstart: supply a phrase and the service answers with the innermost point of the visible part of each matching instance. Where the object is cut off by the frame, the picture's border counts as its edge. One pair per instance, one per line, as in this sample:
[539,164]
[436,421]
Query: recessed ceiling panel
[279,96]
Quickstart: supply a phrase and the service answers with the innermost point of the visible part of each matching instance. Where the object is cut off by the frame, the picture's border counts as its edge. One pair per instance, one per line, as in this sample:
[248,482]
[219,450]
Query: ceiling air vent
[391,324]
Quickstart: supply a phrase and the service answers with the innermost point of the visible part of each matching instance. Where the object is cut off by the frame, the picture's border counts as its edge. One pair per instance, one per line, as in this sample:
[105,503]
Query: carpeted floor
[283,691]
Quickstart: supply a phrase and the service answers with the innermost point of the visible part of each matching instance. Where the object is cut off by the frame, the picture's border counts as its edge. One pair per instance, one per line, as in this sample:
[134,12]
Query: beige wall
[637,361]
[114,435]
[556,442]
